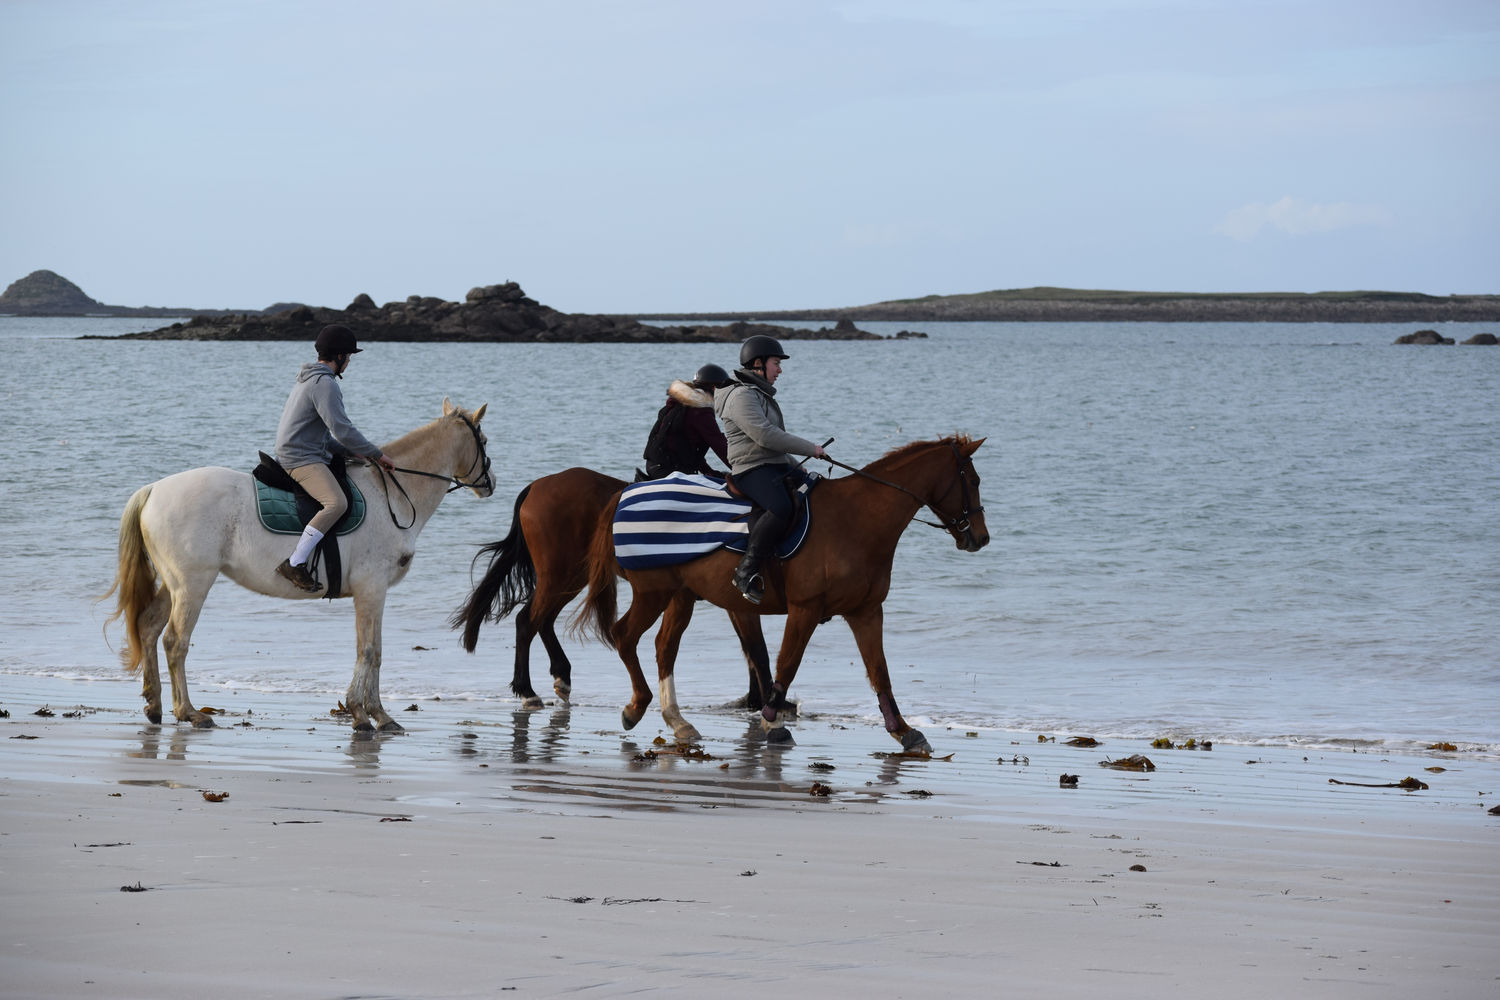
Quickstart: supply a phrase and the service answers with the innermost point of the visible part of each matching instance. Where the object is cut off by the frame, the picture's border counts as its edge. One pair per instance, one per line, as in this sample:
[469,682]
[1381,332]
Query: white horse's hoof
[392,726]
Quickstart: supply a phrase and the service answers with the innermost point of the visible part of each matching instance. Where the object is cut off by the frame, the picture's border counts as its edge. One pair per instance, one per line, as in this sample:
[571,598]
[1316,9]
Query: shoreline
[548,852]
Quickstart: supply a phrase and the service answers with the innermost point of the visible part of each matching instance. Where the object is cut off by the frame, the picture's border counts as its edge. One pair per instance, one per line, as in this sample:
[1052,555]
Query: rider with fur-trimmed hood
[760,451]
[685,428]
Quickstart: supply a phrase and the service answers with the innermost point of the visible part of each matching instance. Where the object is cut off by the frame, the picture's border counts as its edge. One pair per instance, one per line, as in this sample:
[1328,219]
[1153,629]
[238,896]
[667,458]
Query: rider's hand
[385,462]
[818,452]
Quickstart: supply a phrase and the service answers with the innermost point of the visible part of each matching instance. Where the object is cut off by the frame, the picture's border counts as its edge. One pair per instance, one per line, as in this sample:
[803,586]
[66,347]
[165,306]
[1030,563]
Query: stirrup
[751,587]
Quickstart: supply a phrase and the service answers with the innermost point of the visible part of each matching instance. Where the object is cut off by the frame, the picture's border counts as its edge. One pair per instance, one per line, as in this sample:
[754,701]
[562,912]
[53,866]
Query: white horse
[188,528]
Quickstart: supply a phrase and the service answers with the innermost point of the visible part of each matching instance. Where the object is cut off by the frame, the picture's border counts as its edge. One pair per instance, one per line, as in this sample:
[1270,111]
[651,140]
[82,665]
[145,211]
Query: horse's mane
[896,455]
[419,433]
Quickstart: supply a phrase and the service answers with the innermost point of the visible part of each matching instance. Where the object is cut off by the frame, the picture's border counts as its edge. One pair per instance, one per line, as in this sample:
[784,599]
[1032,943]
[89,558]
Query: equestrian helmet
[760,346]
[335,340]
[711,377]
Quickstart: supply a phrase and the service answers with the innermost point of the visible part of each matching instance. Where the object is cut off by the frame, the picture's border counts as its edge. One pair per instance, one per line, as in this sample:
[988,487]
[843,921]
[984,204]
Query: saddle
[663,522]
[284,508]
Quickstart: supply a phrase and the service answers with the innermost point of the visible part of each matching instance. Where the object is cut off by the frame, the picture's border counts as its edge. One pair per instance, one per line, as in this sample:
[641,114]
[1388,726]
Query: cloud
[1299,218]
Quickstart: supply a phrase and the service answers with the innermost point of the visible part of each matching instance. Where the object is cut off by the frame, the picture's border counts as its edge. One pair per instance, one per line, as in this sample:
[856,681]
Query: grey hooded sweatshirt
[753,425]
[314,423]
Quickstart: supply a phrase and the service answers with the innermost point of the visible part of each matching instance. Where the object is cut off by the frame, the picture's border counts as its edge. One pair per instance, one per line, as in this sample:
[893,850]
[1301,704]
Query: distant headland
[504,313]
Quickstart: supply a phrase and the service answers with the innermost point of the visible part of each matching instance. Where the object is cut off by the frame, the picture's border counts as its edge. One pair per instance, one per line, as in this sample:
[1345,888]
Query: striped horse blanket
[663,522]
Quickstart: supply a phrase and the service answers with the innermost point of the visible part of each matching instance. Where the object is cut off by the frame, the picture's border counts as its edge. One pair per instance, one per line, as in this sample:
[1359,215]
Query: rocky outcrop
[1424,337]
[1483,340]
[46,293]
[492,313]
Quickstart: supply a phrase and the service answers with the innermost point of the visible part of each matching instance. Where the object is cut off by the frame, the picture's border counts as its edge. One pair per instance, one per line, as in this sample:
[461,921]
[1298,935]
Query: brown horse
[843,569]
[543,564]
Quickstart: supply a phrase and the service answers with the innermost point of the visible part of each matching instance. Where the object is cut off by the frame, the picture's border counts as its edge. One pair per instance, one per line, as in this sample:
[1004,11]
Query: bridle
[481,461]
[958,525]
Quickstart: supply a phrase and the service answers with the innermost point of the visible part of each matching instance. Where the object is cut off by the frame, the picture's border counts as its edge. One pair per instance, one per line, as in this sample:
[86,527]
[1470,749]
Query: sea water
[1247,533]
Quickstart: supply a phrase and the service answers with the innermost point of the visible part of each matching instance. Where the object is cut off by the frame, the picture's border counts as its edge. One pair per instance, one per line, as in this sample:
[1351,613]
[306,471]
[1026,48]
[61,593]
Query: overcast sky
[675,155]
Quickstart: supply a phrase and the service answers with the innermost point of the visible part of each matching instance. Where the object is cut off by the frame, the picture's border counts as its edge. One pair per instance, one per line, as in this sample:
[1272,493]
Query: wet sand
[489,851]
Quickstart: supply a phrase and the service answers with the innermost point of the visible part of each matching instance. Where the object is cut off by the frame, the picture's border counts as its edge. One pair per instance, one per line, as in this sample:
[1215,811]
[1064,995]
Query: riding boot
[764,535]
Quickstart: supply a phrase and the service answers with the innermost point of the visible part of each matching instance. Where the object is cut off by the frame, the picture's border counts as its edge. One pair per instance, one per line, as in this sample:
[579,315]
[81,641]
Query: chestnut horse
[180,533]
[542,564]
[844,568]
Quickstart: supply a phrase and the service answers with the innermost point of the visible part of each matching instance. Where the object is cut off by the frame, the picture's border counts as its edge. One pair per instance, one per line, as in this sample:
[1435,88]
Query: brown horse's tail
[596,616]
[135,580]
[509,582]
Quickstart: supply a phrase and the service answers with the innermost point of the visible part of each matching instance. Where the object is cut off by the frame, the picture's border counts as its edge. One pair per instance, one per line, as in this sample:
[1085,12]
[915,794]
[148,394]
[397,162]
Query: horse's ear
[447,406]
[973,445]
[479,413]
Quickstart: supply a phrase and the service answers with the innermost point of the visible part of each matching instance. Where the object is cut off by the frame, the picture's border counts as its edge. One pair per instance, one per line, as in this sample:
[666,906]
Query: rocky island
[490,314]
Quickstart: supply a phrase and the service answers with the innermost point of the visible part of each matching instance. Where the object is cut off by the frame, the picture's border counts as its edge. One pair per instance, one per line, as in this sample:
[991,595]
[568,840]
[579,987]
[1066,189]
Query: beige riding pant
[319,483]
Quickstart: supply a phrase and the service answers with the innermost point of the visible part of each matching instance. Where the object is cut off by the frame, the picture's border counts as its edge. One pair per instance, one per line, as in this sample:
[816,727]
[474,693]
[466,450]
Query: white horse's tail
[135,580]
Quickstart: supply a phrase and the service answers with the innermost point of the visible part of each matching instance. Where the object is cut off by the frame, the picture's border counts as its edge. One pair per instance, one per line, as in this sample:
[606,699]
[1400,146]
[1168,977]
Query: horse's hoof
[201,721]
[781,736]
[392,726]
[686,733]
[915,742]
[627,721]
[533,703]
[364,726]
[153,716]
[563,690]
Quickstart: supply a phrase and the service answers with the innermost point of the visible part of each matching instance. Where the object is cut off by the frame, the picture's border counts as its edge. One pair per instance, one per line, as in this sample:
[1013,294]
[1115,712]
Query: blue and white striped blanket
[663,522]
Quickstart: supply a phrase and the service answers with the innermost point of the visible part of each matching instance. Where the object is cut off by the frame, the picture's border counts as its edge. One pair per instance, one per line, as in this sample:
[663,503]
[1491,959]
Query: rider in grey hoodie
[313,426]
[760,451]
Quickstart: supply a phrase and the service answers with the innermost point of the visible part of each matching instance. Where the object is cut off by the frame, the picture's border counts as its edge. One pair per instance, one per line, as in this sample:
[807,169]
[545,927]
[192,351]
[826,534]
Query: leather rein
[481,460]
[961,523]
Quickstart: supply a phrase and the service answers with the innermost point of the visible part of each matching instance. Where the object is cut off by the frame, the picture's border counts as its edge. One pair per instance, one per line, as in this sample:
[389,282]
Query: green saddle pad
[278,510]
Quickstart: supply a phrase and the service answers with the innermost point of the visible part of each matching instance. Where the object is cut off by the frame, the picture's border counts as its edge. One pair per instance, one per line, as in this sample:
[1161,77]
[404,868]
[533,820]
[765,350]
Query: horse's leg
[545,607]
[668,639]
[187,599]
[757,658]
[868,628]
[645,608]
[520,678]
[363,697]
[150,622]
[800,624]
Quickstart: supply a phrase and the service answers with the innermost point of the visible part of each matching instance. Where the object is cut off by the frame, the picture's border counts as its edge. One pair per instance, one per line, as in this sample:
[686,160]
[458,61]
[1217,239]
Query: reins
[482,460]
[959,523]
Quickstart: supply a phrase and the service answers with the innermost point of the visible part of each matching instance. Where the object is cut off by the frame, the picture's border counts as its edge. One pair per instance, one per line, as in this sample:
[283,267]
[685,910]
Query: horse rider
[760,451]
[685,428]
[313,428]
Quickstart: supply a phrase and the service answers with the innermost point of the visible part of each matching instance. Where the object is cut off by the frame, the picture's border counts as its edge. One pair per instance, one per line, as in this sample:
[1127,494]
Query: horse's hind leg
[187,603]
[668,639]
[150,622]
[520,678]
[546,606]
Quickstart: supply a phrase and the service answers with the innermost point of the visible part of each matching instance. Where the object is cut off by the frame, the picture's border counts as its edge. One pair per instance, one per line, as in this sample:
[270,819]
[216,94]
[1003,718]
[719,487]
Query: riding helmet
[760,346]
[335,340]
[711,377]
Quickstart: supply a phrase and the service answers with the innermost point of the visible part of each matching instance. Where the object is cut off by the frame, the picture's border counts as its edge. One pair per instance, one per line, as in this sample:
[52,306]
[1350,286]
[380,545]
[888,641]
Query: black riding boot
[764,534]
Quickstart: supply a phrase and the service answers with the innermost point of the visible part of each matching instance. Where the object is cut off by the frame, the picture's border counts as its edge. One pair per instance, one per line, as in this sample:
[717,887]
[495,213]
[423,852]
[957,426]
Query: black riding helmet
[334,340]
[760,346]
[711,377]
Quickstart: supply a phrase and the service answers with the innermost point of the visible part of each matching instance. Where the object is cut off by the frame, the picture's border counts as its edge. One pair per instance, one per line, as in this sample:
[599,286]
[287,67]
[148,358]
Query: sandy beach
[489,851]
